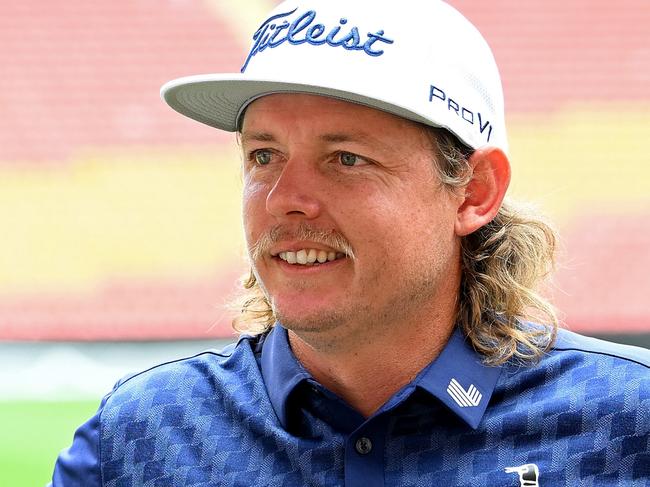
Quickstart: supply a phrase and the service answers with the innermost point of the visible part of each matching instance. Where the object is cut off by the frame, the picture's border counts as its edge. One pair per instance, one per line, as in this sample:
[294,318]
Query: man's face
[319,173]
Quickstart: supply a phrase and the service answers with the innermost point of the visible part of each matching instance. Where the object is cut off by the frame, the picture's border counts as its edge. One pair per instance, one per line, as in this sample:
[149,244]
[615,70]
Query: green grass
[31,436]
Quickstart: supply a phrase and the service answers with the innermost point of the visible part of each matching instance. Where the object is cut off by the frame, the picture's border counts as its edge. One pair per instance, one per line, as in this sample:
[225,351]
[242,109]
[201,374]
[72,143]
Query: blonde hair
[499,309]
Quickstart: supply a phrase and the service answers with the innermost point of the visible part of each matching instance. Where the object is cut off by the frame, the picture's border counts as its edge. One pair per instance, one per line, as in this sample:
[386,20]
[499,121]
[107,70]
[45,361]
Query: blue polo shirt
[251,415]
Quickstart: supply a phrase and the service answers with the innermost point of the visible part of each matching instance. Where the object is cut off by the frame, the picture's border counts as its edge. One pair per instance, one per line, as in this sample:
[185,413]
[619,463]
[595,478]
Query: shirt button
[363,445]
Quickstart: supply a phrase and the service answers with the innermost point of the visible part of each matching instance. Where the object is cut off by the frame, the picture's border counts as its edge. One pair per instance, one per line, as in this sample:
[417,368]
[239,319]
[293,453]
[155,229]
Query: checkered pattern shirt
[251,415]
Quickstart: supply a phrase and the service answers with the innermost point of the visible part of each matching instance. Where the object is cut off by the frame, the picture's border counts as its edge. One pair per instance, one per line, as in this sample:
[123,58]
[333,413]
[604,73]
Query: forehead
[304,112]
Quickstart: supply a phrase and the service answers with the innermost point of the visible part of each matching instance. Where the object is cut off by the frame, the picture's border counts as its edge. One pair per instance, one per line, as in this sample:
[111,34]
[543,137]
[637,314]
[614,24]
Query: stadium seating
[119,218]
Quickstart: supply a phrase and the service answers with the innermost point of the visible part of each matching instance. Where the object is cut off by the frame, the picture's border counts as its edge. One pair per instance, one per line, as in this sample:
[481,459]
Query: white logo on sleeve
[528,474]
[464,398]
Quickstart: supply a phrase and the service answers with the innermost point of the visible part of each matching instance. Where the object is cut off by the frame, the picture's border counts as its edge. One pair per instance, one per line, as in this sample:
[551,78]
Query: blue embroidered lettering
[452,105]
[480,123]
[437,93]
[303,30]
[313,33]
[265,39]
[470,120]
[466,114]
[352,40]
[483,127]
[259,36]
[278,30]
[330,37]
[299,25]
[372,38]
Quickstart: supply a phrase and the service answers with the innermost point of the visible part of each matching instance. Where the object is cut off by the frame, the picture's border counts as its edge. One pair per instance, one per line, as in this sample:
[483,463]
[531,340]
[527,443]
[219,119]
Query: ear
[485,191]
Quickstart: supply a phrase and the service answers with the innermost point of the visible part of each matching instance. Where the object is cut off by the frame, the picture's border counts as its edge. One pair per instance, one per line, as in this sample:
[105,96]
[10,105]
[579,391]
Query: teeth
[309,256]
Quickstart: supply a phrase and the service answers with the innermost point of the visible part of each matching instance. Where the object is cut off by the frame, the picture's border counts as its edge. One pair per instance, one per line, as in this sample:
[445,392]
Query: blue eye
[262,157]
[348,159]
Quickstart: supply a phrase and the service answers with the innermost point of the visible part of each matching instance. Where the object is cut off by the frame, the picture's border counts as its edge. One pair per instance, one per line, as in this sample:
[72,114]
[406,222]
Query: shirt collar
[281,371]
[457,377]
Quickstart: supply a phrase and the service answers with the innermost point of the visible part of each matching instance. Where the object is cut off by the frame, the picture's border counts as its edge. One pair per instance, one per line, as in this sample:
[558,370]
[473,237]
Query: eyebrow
[256,137]
[359,137]
[334,138]
[344,137]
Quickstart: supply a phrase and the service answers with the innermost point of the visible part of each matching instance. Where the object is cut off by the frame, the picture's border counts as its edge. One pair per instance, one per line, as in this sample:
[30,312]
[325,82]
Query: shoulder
[595,349]
[181,402]
[580,413]
[185,387]
[196,376]
[593,371]
[579,371]
[147,413]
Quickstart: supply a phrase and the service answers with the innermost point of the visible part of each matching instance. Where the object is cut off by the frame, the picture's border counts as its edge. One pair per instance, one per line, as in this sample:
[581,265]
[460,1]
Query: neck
[366,365]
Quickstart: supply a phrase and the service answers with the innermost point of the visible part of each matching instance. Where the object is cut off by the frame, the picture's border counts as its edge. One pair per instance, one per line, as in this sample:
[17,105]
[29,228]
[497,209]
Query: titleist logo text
[277,30]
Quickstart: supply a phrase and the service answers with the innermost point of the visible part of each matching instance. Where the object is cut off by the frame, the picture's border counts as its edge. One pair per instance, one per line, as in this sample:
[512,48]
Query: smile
[309,256]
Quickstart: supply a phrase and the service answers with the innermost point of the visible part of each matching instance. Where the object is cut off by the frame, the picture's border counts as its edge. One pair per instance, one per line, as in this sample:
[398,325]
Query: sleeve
[79,465]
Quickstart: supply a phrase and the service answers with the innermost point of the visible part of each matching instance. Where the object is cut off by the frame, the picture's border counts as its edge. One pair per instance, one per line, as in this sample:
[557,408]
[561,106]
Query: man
[394,336]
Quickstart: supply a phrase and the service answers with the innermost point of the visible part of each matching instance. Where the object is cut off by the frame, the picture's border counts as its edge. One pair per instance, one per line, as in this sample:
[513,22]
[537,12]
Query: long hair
[503,263]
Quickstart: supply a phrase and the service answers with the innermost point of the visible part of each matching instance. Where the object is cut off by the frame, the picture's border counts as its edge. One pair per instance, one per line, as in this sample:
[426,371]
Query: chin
[308,320]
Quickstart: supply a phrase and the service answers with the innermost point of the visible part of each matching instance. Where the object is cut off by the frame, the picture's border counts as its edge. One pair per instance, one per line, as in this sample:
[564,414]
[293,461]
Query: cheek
[253,206]
[412,224]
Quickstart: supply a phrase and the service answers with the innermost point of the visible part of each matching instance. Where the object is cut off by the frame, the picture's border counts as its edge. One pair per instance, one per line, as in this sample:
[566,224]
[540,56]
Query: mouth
[308,257]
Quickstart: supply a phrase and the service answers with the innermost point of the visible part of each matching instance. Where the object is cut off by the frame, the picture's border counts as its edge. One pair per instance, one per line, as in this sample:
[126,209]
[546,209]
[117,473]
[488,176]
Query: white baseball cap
[418,59]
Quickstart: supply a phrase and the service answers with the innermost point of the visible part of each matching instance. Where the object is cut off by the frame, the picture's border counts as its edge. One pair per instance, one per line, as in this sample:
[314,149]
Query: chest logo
[528,474]
[469,398]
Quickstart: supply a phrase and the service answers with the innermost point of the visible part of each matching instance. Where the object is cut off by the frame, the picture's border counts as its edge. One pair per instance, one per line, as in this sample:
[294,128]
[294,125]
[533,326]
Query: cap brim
[219,100]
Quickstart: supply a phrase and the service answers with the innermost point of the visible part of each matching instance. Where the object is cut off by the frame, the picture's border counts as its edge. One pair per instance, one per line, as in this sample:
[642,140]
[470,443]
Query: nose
[295,192]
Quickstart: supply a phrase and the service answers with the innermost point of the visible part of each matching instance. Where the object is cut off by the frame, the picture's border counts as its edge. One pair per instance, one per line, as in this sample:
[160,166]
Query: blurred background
[120,239]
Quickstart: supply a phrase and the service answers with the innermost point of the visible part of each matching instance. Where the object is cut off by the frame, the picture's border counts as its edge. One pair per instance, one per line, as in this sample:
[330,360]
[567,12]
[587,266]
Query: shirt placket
[364,454]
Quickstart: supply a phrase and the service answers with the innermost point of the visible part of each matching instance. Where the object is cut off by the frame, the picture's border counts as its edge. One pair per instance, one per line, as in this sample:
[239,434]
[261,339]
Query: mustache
[328,238]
